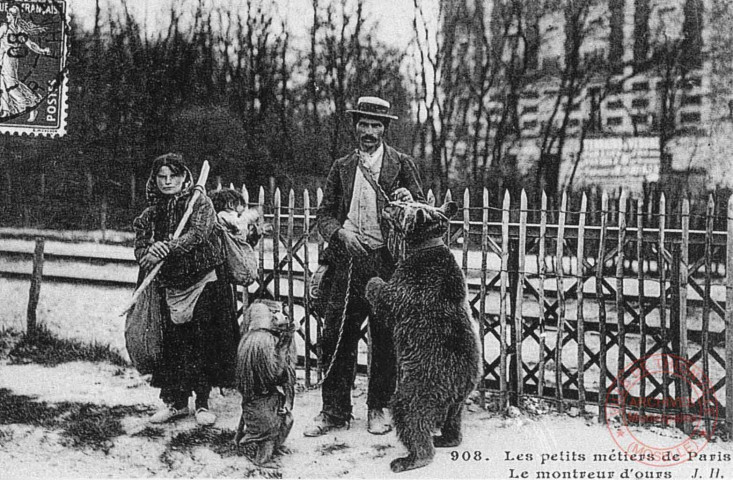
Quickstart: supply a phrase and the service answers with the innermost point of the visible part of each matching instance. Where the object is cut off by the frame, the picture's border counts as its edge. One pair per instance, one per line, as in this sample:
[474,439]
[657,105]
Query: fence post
[541,270]
[319,329]
[289,247]
[103,218]
[729,324]
[306,286]
[620,308]
[559,274]
[709,219]
[35,291]
[641,296]
[580,283]
[504,279]
[276,223]
[519,294]
[133,191]
[662,269]
[602,353]
[684,259]
[513,270]
[261,210]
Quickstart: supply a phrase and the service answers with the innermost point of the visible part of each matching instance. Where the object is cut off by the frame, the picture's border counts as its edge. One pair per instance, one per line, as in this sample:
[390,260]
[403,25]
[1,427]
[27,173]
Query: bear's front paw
[373,290]
[440,441]
[408,463]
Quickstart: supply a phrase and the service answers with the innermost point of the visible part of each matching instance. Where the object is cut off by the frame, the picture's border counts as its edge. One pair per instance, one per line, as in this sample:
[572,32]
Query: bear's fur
[435,336]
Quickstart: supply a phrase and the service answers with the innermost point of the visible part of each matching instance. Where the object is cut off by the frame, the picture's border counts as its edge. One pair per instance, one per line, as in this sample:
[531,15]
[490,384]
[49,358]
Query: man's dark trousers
[336,388]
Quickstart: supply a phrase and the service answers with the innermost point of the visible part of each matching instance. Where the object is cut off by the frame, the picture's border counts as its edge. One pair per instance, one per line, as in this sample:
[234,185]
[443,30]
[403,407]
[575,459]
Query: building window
[495,112]
[529,125]
[615,105]
[692,82]
[614,121]
[640,86]
[573,122]
[665,86]
[497,97]
[551,65]
[639,103]
[691,100]
[615,88]
[530,109]
[690,117]
[639,119]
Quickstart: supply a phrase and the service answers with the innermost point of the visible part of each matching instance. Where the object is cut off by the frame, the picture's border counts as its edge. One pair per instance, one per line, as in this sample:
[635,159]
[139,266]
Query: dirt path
[50,443]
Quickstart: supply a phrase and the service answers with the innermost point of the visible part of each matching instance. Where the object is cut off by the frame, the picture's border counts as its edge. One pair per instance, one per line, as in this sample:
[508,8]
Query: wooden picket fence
[612,285]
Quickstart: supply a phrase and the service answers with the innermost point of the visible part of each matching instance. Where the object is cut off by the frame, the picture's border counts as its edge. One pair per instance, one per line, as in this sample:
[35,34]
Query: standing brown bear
[436,341]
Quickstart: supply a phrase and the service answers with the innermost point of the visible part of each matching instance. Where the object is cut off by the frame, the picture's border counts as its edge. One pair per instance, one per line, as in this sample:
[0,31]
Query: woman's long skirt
[201,353]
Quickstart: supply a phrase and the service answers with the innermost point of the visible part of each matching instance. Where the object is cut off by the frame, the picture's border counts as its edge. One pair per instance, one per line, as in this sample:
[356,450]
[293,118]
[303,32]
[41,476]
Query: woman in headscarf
[200,331]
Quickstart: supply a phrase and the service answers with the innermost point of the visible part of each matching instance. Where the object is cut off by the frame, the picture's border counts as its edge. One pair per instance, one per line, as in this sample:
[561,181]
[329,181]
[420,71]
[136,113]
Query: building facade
[611,93]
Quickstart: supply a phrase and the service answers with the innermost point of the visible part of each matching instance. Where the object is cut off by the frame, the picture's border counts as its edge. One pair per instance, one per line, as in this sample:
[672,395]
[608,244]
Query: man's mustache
[369,137]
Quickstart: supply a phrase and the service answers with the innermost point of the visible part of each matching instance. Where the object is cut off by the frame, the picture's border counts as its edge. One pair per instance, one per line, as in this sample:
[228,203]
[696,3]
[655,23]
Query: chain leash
[343,322]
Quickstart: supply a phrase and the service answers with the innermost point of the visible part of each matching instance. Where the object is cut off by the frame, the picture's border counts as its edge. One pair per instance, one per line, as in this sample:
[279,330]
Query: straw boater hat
[373,107]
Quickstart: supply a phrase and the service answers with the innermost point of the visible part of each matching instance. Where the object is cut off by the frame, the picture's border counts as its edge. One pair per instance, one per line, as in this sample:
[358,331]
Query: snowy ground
[36,452]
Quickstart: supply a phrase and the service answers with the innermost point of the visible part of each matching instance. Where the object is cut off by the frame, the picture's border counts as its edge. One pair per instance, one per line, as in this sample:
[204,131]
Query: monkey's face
[268,315]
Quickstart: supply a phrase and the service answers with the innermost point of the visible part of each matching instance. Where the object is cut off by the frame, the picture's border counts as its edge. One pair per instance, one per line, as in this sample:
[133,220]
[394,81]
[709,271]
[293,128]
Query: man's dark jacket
[398,170]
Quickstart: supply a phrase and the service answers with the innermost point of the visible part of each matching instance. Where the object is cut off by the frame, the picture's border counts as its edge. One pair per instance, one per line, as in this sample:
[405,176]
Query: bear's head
[418,222]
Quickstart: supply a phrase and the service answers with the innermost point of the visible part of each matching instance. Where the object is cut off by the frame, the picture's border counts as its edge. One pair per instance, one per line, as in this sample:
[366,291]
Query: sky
[393,17]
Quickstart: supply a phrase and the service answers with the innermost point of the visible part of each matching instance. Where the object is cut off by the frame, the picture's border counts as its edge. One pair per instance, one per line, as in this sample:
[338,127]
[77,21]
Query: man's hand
[159,249]
[402,195]
[352,243]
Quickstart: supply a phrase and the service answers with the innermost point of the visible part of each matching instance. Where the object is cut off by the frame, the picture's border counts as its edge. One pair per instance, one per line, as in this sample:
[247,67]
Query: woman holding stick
[200,331]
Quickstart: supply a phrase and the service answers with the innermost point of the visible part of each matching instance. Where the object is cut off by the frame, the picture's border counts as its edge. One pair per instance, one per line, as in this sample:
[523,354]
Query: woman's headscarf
[166,206]
[174,161]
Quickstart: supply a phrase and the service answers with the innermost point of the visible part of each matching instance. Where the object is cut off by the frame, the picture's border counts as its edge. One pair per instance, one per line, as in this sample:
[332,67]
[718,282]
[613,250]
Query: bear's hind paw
[408,463]
[441,441]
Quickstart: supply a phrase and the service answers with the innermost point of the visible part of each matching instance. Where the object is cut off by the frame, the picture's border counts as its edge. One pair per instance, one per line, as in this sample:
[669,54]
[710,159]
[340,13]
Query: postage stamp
[697,407]
[33,70]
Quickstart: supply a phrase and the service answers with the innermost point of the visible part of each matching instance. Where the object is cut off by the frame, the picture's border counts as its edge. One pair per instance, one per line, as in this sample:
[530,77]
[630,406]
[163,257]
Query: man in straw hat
[350,220]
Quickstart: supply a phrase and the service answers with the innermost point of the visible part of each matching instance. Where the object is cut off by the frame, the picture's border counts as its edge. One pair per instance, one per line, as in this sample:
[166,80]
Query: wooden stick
[181,225]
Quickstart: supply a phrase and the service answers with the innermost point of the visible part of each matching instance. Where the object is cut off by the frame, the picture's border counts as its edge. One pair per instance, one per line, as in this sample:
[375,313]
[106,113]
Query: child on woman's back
[231,213]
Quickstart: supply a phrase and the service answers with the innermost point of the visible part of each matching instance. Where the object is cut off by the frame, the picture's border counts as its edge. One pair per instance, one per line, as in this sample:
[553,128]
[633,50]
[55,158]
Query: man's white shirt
[363,218]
